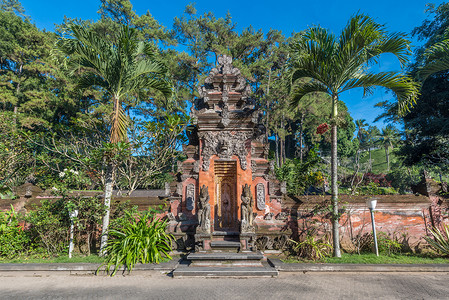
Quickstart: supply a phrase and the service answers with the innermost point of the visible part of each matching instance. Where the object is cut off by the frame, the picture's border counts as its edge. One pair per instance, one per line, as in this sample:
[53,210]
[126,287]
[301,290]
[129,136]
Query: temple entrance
[225,218]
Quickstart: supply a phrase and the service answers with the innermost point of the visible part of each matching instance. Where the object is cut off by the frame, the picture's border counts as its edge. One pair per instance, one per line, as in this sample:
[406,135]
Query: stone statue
[204,210]
[247,209]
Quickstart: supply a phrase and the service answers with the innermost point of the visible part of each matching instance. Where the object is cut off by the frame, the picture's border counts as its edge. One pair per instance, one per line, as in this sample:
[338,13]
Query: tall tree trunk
[109,183]
[267,92]
[370,163]
[387,156]
[276,136]
[300,137]
[282,144]
[334,162]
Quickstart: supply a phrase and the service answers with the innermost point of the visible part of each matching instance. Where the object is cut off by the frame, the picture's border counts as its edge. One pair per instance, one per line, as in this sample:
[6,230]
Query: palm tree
[123,69]
[372,135]
[388,138]
[360,125]
[333,65]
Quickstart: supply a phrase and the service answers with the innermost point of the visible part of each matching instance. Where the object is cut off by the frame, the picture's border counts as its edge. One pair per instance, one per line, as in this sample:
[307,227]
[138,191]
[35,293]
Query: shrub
[386,244]
[141,240]
[375,189]
[49,226]
[311,247]
[439,241]
[378,179]
[300,176]
[14,241]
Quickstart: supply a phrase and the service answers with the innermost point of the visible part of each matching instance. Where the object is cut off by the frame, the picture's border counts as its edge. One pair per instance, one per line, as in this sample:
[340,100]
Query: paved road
[287,286]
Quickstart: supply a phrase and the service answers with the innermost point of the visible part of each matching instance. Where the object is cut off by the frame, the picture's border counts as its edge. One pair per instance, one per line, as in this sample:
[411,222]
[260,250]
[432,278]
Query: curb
[79,268]
[308,267]
[167,267]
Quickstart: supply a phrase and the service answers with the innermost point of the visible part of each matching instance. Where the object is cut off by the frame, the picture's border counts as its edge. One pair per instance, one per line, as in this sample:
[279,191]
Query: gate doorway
[225,218]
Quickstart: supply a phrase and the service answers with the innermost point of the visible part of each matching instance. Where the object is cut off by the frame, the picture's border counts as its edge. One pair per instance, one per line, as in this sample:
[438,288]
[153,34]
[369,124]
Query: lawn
[59,259]
[379,160]
[369,258]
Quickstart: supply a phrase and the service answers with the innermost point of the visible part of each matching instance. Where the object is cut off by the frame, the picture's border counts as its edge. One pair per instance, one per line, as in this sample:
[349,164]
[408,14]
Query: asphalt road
[155,285]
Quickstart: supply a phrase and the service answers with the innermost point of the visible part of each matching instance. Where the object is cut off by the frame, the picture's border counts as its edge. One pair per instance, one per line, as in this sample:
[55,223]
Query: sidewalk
[166,267]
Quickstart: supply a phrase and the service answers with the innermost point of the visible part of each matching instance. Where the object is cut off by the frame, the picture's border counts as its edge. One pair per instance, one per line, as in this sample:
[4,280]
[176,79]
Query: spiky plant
[142,240]
[439,241]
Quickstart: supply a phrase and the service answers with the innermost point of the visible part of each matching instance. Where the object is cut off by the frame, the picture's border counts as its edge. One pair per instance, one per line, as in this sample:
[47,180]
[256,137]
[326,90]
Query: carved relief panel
[190,197]
[260,196]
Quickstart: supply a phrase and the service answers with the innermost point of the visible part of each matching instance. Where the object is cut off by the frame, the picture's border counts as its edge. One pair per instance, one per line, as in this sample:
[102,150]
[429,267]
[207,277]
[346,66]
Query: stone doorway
[225,216]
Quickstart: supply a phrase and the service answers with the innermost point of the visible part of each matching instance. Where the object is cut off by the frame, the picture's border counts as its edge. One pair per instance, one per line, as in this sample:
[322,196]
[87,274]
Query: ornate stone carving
[282,216]
[182,217]
[247,209]
[179,189]
[253,166]
[179,166]
[171,217]
[167,189]
[196,166]
[264,243]
[260,196]
[190,197]
[225,115]
[225,145]
[204,210]
[269,216]
[284,187]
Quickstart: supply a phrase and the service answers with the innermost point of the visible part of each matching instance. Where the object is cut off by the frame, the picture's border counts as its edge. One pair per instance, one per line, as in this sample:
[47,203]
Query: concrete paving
[156,285]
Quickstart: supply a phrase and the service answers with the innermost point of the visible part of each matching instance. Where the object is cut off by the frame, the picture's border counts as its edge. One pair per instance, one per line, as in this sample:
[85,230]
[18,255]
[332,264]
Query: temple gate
[225,186]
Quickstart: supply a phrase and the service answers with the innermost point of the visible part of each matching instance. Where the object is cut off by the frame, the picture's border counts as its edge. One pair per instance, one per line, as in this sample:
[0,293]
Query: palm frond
[405,89]
[304,89]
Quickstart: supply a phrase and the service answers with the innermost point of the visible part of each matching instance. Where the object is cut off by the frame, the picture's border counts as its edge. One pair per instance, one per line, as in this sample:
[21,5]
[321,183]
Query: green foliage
[402,178]
[49,226]
[439,240]
[387,245]
[310,247]
[300,176]
[374,189]
[14,240]
[141,240]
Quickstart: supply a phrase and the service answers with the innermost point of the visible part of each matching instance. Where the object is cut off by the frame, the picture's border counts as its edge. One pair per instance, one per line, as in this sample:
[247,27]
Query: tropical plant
[439,240]
[388,139]
[125,69]
[13,239]
[331,65]
[311,247]
[140,240]
[360,125]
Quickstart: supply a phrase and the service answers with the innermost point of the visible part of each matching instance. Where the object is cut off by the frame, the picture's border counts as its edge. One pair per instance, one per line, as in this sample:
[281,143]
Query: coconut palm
[388,139]
[123,68]
[332,65]
[360,125]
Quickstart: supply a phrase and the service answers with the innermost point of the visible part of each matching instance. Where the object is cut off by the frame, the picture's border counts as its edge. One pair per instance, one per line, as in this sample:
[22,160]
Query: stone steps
[226,259]
[226,245]
[225,256]
[226,264]
[225,272]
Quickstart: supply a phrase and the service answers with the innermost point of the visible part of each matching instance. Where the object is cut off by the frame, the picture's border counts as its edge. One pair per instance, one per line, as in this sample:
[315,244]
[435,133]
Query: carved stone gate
[225,186]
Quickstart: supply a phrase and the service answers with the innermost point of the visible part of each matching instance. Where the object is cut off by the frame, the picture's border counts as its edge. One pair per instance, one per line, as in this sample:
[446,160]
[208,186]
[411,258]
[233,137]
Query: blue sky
[285,15]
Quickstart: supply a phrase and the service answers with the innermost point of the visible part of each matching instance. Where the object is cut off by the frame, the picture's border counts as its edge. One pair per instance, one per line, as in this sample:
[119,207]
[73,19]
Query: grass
[379,161]
[368,258]
[64,259]
[59,259]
